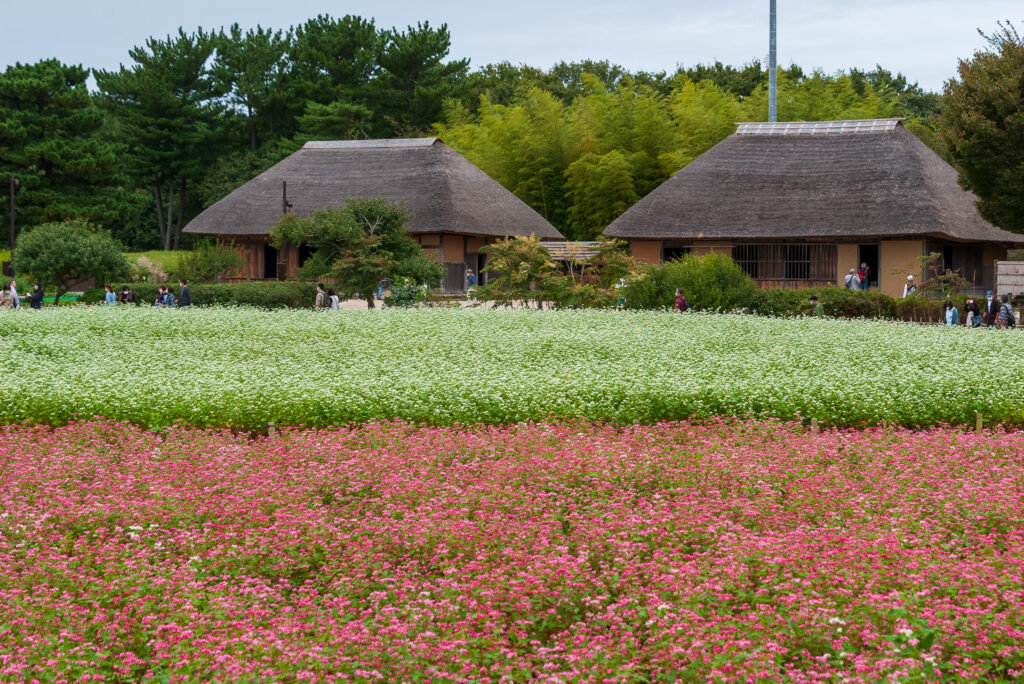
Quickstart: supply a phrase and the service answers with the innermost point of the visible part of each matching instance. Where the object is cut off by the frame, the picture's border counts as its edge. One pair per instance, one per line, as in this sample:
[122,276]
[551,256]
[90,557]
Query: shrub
[711,282]
[265,295]
[407,293]
[837,302]
[210,262]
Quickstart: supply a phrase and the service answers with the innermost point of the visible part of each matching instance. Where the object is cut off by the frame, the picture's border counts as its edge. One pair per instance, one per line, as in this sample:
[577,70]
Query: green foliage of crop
[246,368]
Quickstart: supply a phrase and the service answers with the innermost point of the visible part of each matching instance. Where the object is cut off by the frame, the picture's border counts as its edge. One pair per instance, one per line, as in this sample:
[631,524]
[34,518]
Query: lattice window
[780,261]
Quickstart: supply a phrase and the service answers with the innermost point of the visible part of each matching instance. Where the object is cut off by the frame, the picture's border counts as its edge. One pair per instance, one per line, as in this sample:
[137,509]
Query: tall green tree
[983,126]
[69,252]
[52,139]
[358,245]
[415,79]
[250,67]
[168,107]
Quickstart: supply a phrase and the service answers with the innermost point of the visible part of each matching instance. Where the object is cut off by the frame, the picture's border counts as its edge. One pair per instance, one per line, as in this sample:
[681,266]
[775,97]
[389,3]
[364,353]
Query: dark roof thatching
[442,191]
[833,179]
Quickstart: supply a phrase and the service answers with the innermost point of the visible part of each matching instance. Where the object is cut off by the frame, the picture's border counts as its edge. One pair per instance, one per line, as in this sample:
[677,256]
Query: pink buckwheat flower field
[732,550]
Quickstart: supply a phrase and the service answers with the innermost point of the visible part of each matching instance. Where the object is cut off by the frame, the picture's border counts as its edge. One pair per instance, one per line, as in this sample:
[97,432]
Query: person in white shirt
[911,287]
[852,281]
[15,302]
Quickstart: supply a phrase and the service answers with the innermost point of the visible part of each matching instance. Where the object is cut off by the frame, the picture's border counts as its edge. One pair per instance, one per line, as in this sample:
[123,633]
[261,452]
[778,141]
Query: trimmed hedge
[265,295]
[837,302]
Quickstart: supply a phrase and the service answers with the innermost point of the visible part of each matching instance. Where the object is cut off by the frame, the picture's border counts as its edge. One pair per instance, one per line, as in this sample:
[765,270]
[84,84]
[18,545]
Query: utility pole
[773,86]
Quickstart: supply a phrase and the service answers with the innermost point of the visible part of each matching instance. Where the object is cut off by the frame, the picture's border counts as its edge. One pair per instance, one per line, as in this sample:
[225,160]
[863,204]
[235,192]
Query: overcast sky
[921,38]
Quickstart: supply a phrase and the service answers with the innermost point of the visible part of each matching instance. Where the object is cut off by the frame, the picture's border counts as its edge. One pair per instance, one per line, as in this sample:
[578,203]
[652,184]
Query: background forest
[192,116]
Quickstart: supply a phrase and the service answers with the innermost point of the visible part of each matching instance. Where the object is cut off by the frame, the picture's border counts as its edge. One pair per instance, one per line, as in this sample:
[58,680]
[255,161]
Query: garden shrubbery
[265,295]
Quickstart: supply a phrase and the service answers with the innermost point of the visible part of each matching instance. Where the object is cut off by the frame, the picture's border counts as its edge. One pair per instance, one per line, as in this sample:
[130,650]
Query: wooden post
[270,429]
[814,424]
[979,421]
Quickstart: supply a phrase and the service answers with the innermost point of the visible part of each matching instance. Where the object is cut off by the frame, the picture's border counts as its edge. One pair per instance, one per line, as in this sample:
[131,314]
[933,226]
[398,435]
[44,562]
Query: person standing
[35,300]
[864,276]
[852,281]
[169,297]
[109,298]
[1005,317]
[15,300]
[991,309]
[681,304]
[126,296]
[972,313]
[910,288]
[161,295]
[186,293]
[952,315]
[320,296]
[6,301]
[332,300]
[817,309]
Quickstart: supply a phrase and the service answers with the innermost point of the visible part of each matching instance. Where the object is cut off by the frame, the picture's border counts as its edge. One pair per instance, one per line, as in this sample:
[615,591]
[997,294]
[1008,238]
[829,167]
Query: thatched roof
[831,179]
[442,190]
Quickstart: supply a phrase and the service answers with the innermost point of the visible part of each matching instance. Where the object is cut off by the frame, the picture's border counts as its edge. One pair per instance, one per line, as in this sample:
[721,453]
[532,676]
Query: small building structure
[798,204]
[454,207]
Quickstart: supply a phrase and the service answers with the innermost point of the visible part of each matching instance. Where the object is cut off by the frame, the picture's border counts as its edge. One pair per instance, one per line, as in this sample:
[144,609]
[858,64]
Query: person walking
[681,304]
[320,296]
[169,297]
[864,276]
[991,309]
[35,300]
[817,309]
[1005,317]
[109,298]
[6,300]
[952,315]
[852,281]
[126,296]
[332,300]
[161,296]
[910,287]
[972,313]
[15,300]
[186,293]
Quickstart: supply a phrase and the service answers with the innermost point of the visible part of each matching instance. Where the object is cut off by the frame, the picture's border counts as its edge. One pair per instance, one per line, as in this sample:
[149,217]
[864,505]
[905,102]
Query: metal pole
[773,113]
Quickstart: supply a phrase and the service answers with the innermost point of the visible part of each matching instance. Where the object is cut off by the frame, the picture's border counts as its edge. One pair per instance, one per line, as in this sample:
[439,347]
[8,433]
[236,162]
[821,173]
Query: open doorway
[269,261]
[868,254]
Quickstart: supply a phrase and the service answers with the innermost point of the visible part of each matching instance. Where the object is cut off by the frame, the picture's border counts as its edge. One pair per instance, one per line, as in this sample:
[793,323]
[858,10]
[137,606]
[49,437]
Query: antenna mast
[773,86]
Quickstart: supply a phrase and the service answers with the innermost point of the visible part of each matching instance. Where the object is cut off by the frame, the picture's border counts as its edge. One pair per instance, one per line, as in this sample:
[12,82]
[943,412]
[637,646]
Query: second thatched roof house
[799,204]
[455,208]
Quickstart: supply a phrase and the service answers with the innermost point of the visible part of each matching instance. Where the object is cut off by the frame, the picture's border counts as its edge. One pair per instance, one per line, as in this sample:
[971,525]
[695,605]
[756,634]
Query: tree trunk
[181,215]
[170,214]
[159,212]
[252,130]
[369,300]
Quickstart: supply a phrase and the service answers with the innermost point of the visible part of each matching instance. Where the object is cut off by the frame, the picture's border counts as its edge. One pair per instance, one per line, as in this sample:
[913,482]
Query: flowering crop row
[731,550]
[246,368]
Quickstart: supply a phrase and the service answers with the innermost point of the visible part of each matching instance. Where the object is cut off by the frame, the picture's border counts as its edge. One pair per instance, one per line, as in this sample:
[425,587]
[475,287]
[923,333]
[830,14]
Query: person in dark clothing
[185,298]
[681,304]
[35,299]
[992,305]
[126,296]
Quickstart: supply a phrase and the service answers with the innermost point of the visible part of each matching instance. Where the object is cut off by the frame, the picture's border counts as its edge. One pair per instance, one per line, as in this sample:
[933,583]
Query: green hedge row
[265,295]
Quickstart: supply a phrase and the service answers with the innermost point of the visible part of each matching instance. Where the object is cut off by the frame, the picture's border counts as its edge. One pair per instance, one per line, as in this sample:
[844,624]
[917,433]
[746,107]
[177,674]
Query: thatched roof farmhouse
[455,208]
[799,204]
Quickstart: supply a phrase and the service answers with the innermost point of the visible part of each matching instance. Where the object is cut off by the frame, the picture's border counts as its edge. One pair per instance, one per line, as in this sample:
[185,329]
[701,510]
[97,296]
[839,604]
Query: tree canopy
[983,127]
[69,252]
[191,116]
[358,245]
